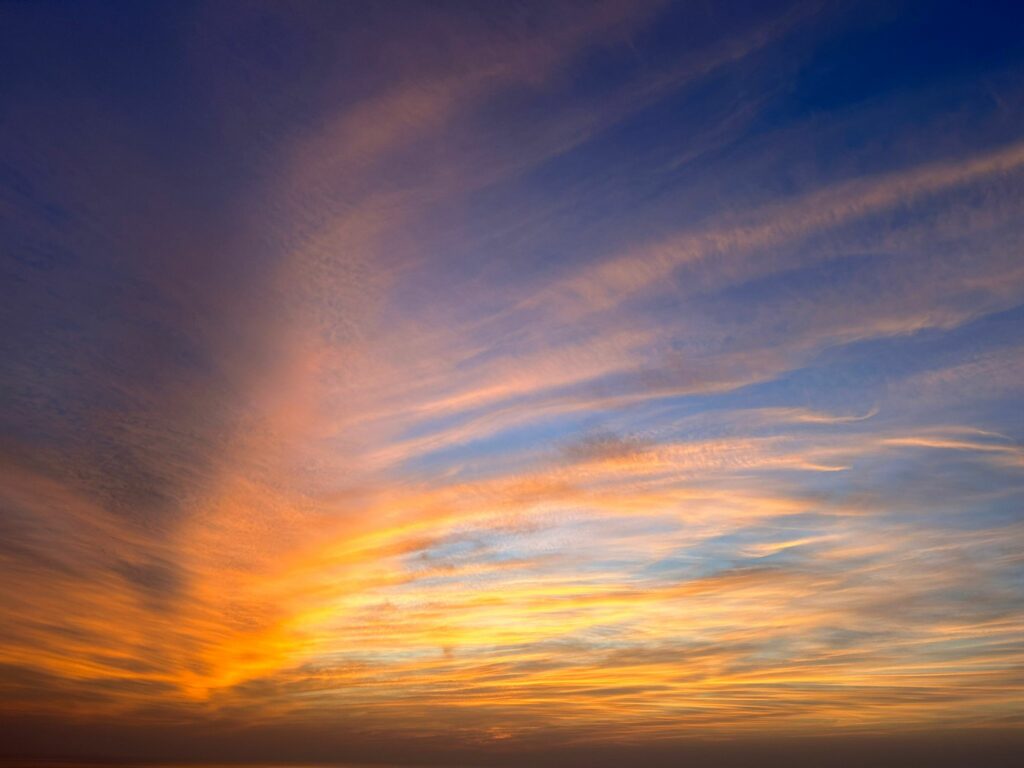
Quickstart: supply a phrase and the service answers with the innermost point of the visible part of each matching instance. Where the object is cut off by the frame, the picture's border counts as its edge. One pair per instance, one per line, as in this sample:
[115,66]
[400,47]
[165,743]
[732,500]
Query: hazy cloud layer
[512,374]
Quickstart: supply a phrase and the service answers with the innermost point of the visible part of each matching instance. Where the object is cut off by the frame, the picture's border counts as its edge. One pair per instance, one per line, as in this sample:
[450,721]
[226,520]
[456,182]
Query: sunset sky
[484,381]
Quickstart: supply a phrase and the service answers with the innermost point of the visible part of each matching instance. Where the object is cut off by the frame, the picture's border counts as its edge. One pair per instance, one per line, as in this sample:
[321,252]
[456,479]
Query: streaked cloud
[520,375]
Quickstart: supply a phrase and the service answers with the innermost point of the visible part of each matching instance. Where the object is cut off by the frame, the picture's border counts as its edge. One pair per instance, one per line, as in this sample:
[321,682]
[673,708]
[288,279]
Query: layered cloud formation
[604,373]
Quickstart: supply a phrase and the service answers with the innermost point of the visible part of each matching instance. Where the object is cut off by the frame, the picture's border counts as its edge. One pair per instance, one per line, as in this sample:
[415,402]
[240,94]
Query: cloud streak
[516,377]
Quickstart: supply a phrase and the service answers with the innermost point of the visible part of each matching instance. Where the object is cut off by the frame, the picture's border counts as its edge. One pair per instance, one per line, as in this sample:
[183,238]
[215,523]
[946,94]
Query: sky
[510,382]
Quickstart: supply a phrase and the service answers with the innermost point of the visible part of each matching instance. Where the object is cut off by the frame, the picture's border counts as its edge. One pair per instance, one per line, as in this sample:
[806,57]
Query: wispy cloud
[551,371]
